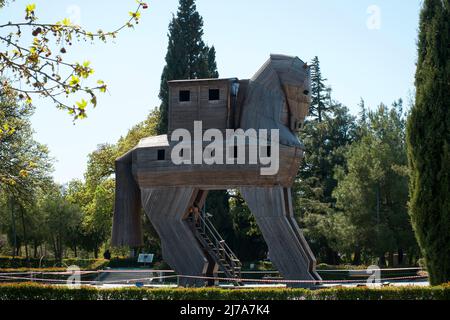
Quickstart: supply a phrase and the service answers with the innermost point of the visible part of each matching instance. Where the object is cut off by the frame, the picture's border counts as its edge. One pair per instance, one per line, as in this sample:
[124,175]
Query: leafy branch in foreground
[40,69]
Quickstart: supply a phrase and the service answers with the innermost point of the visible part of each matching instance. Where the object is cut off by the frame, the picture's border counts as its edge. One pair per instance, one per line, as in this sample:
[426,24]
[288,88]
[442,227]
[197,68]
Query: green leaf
[66,22]
[30,8]
[74,81]
[82,104]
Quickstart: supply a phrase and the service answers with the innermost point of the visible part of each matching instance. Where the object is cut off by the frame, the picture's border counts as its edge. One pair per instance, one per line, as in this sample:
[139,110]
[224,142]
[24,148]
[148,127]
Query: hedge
[31,291]
[86,264]
[21,263]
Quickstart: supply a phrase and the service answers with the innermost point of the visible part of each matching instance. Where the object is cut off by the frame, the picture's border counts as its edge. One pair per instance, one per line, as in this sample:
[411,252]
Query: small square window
[185,95]
[214,94]
[161,154]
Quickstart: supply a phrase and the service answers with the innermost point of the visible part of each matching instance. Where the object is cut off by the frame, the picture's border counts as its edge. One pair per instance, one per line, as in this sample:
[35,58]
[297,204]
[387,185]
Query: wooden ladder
[211,241]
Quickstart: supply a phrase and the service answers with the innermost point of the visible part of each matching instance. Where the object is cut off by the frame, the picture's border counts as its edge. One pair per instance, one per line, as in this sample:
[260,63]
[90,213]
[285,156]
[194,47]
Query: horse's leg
[127,226]
[287,248]
[291,218]
[166,209]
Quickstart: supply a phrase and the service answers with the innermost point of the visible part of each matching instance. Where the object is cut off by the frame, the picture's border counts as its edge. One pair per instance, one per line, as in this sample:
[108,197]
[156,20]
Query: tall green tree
[24,168]
[23,161]
[325,144]
[320,93]
[61,218]
[429,141]
[189,58]
[372,191]
[95,196]
[187,55]
[97,220]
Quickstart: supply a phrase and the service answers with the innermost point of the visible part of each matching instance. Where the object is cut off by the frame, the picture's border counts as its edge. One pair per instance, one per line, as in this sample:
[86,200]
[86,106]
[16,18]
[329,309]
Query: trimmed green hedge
[86,264]
[21,263]
[48,292]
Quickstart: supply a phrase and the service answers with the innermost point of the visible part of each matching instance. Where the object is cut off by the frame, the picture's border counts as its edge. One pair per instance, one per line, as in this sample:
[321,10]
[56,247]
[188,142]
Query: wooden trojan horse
[277,97]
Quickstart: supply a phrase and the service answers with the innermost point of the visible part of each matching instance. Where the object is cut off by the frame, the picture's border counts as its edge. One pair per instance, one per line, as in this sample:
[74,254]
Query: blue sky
[376,64]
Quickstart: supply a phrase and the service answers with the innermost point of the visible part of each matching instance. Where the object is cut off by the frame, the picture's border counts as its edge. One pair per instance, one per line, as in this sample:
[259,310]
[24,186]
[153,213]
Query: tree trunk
[55,247]
[391,259]
[357,257]
[331,258]
[13,217]
[24,230]
[382,261]
[35,253]
[400,256]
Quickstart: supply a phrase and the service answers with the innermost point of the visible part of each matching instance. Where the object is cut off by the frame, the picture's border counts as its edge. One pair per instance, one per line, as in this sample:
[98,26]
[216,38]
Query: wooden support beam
[127,222]
[166,209]
[287,248]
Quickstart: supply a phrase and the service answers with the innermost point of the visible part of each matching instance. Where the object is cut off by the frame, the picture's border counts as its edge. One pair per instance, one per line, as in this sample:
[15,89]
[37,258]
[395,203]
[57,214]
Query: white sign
[145,258]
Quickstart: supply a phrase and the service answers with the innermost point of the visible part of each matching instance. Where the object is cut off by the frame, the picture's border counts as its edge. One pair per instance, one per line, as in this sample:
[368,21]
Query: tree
[320,93]
[97,221]
[39,68]
[188,58]
[95,196]
[61,218]
[372,190]
[325,144]
[23,161]
[246,239]
[429,141]
[24,168]
[187,55]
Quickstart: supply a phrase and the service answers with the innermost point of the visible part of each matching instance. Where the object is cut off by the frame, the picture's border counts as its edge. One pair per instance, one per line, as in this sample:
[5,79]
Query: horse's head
[294,78]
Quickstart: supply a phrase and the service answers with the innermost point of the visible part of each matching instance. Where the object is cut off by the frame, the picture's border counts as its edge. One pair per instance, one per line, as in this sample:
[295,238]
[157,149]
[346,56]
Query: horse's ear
[127,222]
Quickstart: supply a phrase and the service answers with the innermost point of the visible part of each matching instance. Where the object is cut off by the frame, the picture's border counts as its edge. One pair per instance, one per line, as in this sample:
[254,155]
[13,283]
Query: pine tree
[372,190]
[325,143]
[320,93]
[428,133]
[187,55]
[212,65]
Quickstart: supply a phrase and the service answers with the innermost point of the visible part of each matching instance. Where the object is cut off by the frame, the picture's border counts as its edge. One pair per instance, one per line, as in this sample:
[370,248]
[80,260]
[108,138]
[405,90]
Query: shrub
[87,264]
[31,291]
[21,262]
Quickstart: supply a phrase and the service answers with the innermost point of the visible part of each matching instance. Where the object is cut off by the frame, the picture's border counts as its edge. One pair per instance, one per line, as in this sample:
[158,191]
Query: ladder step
[220,252]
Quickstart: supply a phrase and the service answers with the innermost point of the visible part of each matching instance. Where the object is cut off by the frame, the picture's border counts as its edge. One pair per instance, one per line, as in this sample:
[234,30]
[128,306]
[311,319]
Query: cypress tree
[187,55]
[428,136]
[189,58]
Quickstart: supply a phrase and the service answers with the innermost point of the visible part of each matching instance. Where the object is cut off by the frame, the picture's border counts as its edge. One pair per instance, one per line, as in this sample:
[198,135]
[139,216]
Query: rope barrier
[85,272]
[87,282]
[363,270]
[243,280]
[298,281]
